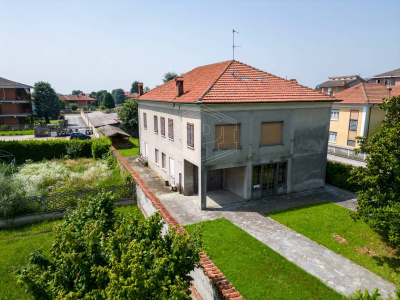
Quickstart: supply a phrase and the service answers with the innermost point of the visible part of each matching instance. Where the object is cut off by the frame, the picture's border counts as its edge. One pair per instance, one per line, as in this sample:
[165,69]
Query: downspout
[369,118]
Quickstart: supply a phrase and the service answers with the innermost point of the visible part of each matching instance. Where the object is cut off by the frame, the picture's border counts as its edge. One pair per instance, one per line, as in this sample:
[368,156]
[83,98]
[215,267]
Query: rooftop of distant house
[339,81]
[393,73]
[130,95]
[76,97]
[233,82]
[364,92]
[5,83]
[98,118]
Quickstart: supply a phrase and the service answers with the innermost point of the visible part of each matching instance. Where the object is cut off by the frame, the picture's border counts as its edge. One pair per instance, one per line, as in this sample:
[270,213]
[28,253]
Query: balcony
[2,100]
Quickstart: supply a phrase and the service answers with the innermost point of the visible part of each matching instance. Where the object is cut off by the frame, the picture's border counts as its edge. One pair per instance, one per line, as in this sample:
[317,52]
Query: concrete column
[203,187]
[247,182]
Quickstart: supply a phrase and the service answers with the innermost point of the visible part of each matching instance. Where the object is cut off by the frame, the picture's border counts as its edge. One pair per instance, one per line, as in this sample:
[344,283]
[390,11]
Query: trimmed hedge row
[338,175]
[49,149]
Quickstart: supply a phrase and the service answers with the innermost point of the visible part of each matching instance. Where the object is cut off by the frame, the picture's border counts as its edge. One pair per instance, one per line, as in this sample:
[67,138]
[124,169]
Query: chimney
[140,88]
[293,81]
[179,85]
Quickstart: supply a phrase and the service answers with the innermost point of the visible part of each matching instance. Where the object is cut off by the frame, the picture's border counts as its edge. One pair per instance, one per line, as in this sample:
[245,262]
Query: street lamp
[389,89]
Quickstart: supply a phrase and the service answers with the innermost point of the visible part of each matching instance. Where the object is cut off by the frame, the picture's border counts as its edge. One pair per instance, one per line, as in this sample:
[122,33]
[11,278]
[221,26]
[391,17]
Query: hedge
[100,147]
[338,175]
[49,149]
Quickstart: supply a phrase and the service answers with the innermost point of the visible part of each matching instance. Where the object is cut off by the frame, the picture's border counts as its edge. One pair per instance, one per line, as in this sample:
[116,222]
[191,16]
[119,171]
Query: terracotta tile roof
[76,97]
[130,95]
[366,92]
[216,84]
[5,83]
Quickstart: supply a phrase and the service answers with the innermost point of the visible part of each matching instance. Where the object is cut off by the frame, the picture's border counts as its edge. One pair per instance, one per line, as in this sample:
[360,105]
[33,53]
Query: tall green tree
[77,92]
[47,104]
[134,87]
[109,101]
[100,97]
[146,89]
[379,192]
[118,96]
[128,114]
[61,103]
[169,76]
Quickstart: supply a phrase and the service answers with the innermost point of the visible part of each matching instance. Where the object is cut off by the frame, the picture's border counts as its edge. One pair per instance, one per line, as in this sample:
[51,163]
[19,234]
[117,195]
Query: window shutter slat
[354,114]
[271,133]
[227,136]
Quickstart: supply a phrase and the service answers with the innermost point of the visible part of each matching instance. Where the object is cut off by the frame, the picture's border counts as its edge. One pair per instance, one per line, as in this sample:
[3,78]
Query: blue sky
[93,45]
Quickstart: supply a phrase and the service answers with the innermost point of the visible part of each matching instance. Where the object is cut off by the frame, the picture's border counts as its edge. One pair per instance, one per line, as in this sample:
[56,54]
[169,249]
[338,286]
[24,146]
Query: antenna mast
[233,50]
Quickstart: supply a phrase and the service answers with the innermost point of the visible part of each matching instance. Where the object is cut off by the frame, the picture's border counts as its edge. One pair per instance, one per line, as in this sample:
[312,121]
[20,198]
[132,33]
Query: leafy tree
[134,87]
[169,76]
[109,101]
[146,89]
[128,114]
[73,106]
[379,182]
[77,92]
[100,97]
[61,103]
[99,253]
[118,96]
[102,107]
[93,95]
[46,101]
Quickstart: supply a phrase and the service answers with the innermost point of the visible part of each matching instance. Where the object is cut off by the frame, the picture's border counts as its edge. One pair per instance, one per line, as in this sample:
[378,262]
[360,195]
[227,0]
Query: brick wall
[208,282]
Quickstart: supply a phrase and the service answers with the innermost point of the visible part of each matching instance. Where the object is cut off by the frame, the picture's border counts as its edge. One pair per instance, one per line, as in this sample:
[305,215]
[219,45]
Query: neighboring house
[15,103]
[338,84]
[391,78]
[358,113]
[229,126]
[129,95]
[81,99]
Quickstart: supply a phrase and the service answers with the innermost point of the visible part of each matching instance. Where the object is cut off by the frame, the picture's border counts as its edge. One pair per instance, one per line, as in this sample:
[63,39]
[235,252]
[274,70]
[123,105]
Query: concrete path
[346,161]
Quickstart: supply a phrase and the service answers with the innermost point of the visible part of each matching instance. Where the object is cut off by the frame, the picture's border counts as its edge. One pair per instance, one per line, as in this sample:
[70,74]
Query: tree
[61,103]
[146,89]
[73,106]
[99,253]
[118,96]
[109,101]
[134,87]
[46,101]
[100,97]
[77,92]
[379,191]
[128,114]
[169,76]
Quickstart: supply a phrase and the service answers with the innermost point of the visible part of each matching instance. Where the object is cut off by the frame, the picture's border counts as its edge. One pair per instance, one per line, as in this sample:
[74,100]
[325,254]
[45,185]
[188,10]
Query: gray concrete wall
[234,178]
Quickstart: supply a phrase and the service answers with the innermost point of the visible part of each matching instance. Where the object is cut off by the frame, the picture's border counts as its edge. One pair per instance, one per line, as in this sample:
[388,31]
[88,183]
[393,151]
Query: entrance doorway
[214,180]
[268,179]
[268,186]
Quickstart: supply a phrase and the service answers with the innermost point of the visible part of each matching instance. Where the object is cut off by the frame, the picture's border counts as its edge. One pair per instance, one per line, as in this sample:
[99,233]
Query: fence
[346,152]
[58,202]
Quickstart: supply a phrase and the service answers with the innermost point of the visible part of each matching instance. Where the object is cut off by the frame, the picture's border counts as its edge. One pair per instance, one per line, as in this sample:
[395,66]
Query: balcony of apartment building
[17,109]
[15,96]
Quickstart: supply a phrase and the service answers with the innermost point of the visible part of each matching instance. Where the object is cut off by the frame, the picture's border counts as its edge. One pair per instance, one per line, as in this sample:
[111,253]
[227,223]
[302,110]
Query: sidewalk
[334,270]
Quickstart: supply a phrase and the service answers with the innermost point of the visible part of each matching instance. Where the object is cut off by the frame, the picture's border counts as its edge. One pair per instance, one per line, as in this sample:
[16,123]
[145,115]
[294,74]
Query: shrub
[61,117]
[338,175]
[102,107]
[4,127]
[92,108]
[73,106]
[27,127]
[101,254]
[100,147]
[84,108]
[359,295]
[74,148]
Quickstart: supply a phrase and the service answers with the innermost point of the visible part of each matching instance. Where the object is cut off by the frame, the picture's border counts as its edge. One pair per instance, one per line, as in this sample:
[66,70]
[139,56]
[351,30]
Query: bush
[92,108]
[102,107]
[100,147]
[338,175]
[73,106]
[101,254]
[84,108]
[4,127]
[27,127]
[359,295]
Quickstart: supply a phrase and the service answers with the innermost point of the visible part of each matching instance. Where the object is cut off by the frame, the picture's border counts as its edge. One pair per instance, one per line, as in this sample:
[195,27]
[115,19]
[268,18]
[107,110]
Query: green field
[254,269]
[17,132]
[133,150]
[331,226]
[17,243]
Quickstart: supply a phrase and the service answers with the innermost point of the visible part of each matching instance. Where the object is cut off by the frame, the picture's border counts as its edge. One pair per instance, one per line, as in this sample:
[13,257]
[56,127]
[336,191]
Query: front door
[214,180]
[268,182]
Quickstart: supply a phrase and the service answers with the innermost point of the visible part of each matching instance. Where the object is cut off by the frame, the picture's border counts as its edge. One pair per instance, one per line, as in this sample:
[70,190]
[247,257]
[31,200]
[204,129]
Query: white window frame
[156,154]
[335,114]
[146,150]
[332,137]
[171,166]
[329,90]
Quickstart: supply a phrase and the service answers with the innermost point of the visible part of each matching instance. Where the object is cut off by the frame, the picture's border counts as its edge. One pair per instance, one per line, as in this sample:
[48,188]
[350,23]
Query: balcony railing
[346,152]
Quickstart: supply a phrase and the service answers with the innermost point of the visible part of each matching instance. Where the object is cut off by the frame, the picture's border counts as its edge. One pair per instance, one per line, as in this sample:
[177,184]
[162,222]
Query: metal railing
[346,152]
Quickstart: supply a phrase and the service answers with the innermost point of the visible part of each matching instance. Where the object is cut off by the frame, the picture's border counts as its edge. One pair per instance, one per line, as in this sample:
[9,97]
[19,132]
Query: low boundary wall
[209,282]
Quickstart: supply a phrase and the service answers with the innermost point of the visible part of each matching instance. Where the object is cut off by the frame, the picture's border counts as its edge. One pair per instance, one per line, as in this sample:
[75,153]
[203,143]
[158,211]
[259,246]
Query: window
[271,133]
[334,114]
[171,166]
[227,136]
[145,120]
[163,160]
[353,125]
[329,90]
[156,124]
[156,156]
[146,149]
[162,121]
[190,135]
[256,177]
[393,81]
[386,81]
[171,129]
[377,81]
[322,90]
[336,90]
[351,143]
[332,137]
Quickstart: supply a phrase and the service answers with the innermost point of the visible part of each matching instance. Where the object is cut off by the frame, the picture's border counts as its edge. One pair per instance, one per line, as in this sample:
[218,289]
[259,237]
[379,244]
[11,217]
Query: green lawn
[254,269]
[331,226]
[133,150]
[17,132]
[17,243]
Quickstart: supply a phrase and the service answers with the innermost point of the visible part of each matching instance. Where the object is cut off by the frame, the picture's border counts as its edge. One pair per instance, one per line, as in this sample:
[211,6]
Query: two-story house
[229,126]
[338,84]
[358,114]
[81,100]
[15,103]
[391,78]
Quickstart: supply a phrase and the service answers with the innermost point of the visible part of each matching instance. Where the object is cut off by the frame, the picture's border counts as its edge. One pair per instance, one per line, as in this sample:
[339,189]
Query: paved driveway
[75,121]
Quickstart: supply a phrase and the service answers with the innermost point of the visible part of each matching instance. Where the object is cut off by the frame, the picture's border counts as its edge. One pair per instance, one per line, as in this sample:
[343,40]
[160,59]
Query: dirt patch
[365,250]
[364,234]
[339,239]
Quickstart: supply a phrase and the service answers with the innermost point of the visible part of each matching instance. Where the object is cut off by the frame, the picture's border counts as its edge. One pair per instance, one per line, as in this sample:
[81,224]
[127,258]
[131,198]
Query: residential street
[75,121]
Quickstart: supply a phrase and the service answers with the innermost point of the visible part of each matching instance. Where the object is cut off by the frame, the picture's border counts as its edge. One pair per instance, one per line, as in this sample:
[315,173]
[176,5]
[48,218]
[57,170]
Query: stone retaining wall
[209,282]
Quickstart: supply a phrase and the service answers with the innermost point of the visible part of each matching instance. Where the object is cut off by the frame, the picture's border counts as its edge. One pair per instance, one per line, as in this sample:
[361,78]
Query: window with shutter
[190,135]
[271,133]
[163,160]
[155,124]
[171,129]
[162,121]
[145,120]
[227,136]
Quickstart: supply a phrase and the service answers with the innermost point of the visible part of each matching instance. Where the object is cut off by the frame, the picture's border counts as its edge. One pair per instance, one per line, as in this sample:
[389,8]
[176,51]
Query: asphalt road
[75,121]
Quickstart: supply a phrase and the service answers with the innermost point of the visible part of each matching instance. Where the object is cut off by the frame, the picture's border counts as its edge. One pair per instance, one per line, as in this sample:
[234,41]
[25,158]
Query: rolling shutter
[271,133]
[227,136]
[352,135]
[353,114]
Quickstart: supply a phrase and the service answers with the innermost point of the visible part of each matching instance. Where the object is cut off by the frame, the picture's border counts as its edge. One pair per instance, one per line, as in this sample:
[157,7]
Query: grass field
[17,243]
[331,226]
[254,269]
[17,132]
[133,150]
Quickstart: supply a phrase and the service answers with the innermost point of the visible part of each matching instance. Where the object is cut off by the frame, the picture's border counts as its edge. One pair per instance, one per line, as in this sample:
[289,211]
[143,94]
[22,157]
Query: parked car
[79,135]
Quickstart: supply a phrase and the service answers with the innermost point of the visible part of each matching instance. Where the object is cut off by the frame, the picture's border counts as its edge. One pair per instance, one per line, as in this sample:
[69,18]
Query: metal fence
[346,152]
[58,202]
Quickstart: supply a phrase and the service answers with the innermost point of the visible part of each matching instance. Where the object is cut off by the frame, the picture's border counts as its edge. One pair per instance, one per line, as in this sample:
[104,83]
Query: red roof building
[80,99]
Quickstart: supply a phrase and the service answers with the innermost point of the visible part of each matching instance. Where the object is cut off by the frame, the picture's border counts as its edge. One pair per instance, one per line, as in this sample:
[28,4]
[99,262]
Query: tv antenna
[233,49]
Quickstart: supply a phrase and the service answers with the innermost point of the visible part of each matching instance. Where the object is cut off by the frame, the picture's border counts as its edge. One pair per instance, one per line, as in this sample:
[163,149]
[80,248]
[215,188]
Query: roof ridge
[364,92]
[215,81]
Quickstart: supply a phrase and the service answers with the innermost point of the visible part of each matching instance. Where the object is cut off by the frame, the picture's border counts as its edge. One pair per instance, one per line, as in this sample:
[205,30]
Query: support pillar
[203,187]
[247,188]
